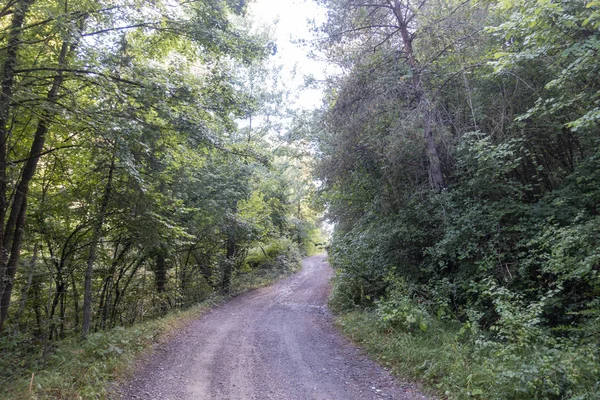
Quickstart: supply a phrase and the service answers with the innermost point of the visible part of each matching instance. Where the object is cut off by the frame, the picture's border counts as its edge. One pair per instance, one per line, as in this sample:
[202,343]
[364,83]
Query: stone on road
[277,342]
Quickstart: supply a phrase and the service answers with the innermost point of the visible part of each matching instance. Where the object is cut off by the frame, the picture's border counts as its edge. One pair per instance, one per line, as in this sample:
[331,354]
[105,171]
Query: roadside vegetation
[93,368]
[460,162]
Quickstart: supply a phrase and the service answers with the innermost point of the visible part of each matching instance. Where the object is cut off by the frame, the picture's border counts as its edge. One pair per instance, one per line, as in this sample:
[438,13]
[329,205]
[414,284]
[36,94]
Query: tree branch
[43,153]
[120,28]
[80,71]
[386,39]
[362,28]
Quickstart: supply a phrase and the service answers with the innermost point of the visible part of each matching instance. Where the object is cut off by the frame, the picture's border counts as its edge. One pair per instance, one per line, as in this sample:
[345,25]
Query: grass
[455,366]
[437,358]
[78,369]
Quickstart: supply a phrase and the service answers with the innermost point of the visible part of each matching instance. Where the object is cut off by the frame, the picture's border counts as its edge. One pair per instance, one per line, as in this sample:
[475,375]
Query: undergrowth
[457,363]
[90,369]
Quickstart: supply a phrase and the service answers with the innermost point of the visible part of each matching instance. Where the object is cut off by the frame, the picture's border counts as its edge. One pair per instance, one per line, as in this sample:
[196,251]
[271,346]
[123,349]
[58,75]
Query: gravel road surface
[277,342]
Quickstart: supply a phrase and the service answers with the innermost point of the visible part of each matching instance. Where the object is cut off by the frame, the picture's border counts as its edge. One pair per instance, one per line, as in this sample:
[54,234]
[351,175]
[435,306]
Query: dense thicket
[507,240]
[128,184]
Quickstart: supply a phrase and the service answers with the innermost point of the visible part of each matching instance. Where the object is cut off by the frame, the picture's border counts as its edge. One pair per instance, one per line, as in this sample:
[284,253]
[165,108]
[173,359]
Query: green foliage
[397,311]
[73,368]
[475,367]
[280,254]
[147,182]
[564,35]
[89,369]
[503,263]
[436,357]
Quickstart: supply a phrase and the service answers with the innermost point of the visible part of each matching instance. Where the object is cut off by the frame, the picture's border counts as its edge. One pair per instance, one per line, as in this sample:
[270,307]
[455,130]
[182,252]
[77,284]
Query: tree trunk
[26,288]
[120,293]
[230,250]
[436,178]
[229,260]
[8,79]
[75,301]
[160,279]
[87,294]
[15,224]
[404,17]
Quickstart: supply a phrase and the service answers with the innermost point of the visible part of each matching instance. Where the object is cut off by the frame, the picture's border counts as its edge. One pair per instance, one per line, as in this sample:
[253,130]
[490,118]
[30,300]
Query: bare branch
[388,37]
[449,45]
[452,12]
[375,5]
[119,28]
[5,10]
[362,28]
[454,75]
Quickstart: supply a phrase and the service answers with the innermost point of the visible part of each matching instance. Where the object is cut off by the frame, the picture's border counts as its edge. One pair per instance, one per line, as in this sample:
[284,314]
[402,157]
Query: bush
[347,293]
[280,254]
[475,366]
[400,312]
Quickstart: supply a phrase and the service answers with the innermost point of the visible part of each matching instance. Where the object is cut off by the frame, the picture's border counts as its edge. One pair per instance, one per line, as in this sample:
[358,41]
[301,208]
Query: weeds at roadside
[446,359]
[78,369]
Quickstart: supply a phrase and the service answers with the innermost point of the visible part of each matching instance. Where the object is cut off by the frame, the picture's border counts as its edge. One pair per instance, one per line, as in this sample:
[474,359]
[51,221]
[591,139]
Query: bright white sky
[292,23]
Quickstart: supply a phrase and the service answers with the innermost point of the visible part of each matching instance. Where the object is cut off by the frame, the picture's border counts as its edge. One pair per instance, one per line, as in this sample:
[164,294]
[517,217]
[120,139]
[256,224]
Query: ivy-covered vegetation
[142,169]
[460,161]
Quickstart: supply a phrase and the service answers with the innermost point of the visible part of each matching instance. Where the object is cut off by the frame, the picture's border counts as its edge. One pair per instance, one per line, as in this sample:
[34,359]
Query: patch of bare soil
[273,343]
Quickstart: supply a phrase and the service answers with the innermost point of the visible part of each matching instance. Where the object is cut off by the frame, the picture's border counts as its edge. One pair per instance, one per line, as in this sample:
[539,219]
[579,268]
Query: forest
[152,160]
[459,157]
[141,168]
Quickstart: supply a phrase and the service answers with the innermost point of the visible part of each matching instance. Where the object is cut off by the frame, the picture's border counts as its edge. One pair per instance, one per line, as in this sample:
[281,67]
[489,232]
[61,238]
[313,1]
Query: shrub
[280,254]
[398,311]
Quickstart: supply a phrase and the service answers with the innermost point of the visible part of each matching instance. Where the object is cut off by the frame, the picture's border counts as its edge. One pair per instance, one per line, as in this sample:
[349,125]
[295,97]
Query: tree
[69,93]
[405,29]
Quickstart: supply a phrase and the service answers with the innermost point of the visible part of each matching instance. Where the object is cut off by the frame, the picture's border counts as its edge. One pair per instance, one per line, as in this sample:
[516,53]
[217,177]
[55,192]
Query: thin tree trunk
[436,178]
[63,298]
[36,307]
[46,338]
[15,224]
[87,295]
[8,79]
[100,322]
[299,238]
[231,250]
[110,283]
[229,260]
[13,260]
[75,300]
[26,288]
[60,287]
[120,293]
[160,280]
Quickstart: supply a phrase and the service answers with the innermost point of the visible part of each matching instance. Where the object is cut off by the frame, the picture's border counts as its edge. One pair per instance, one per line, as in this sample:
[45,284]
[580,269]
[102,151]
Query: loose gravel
[277,342]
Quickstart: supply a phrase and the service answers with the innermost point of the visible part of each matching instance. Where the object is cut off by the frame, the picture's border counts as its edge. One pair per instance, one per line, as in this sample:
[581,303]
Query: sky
[292,23]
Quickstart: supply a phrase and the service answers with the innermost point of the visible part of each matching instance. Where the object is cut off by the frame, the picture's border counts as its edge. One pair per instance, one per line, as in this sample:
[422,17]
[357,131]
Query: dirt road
[274,343]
